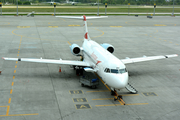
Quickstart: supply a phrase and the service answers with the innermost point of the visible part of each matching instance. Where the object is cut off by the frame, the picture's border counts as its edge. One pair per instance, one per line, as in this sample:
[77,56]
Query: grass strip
[131,10]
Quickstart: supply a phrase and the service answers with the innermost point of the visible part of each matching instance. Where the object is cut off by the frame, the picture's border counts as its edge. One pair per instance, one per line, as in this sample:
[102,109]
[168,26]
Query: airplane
[95,3]
[51,3]
[99,59]
[72,3]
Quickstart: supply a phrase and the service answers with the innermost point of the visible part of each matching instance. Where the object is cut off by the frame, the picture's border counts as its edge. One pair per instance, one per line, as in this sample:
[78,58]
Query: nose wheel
[113,92]
[117,97]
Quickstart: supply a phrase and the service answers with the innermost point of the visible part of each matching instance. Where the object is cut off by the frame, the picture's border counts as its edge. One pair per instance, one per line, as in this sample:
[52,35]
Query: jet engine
[75,49]
[108,47]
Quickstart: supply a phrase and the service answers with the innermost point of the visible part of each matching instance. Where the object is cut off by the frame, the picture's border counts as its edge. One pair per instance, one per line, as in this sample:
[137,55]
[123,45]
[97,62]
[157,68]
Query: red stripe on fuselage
[98,62]
[95,58]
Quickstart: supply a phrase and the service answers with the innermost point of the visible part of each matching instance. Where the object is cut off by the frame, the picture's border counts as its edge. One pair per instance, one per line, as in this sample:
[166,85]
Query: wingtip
[3,58]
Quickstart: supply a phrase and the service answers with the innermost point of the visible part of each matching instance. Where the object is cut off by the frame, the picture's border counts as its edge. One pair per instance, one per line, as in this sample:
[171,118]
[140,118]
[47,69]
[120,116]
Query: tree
[26,3]
[19,3]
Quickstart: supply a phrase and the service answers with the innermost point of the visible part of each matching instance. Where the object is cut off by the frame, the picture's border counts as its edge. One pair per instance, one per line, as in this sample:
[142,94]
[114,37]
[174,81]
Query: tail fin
[84,18]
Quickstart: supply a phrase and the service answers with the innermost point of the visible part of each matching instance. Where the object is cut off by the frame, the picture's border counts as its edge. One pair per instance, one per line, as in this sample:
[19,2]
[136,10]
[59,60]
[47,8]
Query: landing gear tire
[118,98]
[79,72]
[112,92]
[82,84]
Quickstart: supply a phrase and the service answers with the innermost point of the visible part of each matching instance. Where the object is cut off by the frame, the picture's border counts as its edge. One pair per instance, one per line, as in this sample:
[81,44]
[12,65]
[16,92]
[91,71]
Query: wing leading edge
[63,62]
[142,59]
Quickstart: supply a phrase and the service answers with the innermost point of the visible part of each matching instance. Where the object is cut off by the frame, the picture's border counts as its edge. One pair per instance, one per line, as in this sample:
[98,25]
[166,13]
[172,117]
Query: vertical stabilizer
[86,35]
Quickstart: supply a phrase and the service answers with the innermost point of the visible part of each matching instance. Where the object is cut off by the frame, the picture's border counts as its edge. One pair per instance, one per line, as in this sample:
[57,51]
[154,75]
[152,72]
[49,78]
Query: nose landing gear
[117,97]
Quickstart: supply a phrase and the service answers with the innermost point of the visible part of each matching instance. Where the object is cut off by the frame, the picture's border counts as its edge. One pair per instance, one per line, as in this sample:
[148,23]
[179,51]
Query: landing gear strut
[79,72]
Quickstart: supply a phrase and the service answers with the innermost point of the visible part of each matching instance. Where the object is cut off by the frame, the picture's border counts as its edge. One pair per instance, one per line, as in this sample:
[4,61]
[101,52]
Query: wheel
[77,72]
[112,92]
[81,72]
[82,84]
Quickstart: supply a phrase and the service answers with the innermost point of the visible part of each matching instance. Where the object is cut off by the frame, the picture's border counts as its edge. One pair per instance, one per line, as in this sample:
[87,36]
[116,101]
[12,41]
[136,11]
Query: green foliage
[19,3]
[121,2]
[132,10]
[125,2]
[26,3]
[138,3]
[36,1]
[105,1]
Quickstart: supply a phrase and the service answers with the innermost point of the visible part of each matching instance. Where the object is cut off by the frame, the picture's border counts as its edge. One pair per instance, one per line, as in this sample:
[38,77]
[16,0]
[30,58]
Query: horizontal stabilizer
[82,17]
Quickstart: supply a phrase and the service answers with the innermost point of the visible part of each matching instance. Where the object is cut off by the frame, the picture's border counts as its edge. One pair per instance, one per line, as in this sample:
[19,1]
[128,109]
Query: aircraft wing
[63,62]
[142,59]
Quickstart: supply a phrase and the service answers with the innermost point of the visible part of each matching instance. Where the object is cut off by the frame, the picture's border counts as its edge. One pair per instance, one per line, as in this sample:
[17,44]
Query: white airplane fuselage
[101,59]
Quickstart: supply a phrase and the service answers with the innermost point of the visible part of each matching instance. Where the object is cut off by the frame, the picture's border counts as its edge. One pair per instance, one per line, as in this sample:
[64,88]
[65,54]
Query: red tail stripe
[84,17]
[86,36]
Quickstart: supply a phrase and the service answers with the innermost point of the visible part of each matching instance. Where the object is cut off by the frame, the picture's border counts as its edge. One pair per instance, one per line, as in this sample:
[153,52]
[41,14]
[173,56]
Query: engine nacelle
[108,47]
[75,49]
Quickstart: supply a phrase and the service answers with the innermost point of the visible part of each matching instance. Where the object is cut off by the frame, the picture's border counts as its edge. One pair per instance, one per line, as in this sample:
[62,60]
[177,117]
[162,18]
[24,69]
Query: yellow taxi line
[99,91]
[120,104]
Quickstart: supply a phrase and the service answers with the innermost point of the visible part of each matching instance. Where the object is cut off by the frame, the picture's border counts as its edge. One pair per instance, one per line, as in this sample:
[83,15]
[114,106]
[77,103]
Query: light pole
[128,8]
[105,8]
[98,9]
[54,9]
[154,8]
[173,8]
[17,7]
[1,8]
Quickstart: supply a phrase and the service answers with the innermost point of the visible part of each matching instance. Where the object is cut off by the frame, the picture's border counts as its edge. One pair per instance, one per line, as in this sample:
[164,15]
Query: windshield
[117,71]
[114,71]
[122,70]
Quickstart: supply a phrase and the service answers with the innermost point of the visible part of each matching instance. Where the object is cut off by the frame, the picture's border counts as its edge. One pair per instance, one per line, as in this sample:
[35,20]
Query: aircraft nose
[117,81]
[122,81]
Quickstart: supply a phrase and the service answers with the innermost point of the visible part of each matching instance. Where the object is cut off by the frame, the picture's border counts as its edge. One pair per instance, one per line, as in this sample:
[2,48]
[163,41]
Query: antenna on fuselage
[84,18]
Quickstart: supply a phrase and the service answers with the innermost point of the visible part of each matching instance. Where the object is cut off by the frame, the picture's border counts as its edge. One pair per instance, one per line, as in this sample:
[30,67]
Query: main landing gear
[79,70]
[117,97]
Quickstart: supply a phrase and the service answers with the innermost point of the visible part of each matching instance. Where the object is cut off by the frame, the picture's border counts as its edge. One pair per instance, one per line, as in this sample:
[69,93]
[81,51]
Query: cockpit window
[117,71]
[114,71]
[107,70]
[122,70]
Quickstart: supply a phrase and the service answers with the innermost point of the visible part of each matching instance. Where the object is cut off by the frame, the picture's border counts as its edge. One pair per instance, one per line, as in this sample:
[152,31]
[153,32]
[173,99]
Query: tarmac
[33,91]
